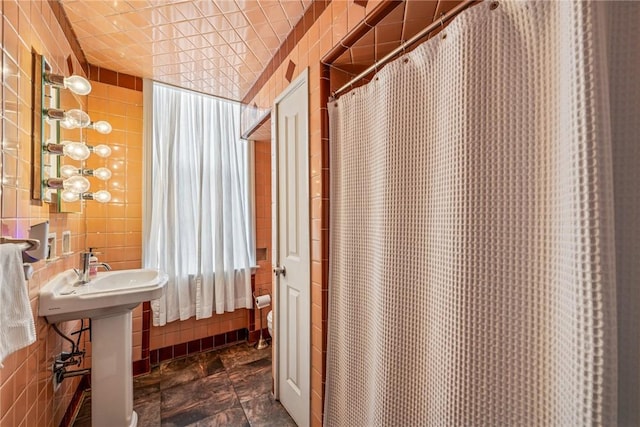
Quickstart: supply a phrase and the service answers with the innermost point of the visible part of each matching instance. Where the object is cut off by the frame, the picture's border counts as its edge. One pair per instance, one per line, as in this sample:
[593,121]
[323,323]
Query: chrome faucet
[83,272]
[85,264]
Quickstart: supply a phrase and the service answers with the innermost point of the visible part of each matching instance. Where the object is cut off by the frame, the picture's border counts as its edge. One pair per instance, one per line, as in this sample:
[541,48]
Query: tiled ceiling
[213,46]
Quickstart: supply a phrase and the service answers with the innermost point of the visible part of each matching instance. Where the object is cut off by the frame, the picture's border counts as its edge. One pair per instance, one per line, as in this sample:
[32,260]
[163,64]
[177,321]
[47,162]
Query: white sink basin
[109,293]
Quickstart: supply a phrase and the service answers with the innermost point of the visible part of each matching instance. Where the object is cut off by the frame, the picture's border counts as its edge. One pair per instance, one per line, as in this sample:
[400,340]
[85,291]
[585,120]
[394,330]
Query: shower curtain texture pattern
[473,267]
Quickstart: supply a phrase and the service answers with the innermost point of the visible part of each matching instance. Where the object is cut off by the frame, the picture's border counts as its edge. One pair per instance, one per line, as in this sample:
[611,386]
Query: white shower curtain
[473,250]
[197,203]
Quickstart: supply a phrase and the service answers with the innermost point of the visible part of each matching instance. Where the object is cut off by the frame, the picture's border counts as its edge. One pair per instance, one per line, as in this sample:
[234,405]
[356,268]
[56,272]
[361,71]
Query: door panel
[293,251]
[292,173]
[293,347]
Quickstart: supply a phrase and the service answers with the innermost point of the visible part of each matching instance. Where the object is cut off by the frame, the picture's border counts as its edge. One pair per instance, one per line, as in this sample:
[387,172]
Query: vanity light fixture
[76,84]
[101,196]
[68,171]
[69,181]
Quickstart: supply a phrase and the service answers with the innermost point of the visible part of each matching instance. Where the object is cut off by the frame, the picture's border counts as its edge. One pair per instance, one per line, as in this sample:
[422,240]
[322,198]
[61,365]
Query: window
[198,204]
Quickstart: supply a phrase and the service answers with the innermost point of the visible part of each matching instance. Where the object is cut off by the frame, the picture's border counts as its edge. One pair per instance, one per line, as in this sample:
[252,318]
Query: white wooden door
[292,253]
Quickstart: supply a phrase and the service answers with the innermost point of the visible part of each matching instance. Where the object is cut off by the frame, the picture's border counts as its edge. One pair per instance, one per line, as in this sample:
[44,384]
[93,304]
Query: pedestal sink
[107,300]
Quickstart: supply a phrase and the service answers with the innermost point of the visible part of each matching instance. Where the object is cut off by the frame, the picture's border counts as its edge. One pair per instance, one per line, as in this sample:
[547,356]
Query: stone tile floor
[226,387]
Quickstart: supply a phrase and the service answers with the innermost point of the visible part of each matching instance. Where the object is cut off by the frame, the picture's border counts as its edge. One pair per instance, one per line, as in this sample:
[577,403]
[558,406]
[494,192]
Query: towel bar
[27,244]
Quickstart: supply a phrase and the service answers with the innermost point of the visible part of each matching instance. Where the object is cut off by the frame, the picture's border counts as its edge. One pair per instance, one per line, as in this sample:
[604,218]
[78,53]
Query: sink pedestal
[111,373]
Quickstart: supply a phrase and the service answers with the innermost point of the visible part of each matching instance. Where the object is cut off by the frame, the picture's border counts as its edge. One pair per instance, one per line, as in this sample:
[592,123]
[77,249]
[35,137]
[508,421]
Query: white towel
[17,329]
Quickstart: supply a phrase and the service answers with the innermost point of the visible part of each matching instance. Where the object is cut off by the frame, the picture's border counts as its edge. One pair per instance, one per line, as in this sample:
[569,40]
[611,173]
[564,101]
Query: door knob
[280,270]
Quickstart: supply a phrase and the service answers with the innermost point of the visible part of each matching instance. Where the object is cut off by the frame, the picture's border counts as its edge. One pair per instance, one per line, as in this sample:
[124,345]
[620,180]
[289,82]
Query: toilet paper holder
[261,301]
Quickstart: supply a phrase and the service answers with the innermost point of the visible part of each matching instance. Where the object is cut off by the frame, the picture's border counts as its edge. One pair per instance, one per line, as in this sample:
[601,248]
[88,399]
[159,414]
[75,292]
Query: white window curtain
[197,203]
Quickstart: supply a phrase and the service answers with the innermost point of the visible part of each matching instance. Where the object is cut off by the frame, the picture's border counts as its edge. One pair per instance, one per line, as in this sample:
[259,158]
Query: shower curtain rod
[434,25]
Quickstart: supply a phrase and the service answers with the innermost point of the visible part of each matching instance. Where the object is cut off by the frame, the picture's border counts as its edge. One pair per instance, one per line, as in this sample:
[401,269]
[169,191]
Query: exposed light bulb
[76,150]
[77,184]
[70,119]
[102,127]
[68,123]
[77,84]
[69,196]
[102,150]
[68,171]
[102,196]
[80,117]
[102,173]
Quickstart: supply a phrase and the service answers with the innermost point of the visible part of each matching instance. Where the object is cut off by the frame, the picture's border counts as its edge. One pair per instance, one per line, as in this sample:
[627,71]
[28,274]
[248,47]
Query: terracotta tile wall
[262,150]
[114,78]
[198,345]
[26,392]
[63,22]
[180,332]
[115,228]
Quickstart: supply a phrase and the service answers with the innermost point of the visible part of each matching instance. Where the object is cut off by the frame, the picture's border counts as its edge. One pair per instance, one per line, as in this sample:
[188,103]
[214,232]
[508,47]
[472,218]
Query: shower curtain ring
[442,15]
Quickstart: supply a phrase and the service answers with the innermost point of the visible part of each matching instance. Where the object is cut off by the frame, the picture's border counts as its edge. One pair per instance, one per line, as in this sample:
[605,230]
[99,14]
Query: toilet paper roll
[263,301]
